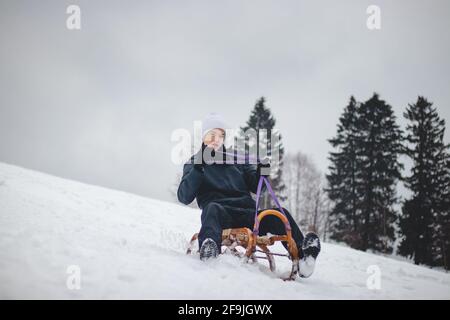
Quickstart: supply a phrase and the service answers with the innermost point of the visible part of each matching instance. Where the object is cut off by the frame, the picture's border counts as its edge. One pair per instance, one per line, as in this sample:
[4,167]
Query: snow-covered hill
[128,246]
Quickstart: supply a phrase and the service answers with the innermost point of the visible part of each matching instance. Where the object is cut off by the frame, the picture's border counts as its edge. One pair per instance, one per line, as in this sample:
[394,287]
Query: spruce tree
[424,223]
[343,186]
[363,174]
[261,118]
[379,144]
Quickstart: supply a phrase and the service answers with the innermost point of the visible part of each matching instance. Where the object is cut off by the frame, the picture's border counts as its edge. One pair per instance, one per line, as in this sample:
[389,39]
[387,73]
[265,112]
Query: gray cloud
[99,104]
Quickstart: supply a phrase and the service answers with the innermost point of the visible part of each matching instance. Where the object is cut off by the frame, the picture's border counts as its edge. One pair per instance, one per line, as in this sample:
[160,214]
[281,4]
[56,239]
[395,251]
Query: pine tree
[440,173]
[424,223]
[442,257]
[343,186]
[379,144]
[262,118]
[363,174]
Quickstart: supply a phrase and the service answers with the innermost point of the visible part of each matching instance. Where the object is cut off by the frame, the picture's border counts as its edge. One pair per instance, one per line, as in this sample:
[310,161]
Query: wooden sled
[244,237]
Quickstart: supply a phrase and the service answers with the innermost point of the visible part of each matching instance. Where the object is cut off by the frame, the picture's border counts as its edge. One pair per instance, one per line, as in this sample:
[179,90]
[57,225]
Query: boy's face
[214,138]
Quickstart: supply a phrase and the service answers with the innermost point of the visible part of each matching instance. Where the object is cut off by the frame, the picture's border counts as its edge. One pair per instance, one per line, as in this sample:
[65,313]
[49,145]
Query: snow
[307,266]
[131,247]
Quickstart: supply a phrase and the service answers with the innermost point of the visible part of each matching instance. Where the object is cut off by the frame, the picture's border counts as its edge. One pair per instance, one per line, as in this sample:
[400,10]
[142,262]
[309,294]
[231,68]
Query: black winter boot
[208,249]
[310,249]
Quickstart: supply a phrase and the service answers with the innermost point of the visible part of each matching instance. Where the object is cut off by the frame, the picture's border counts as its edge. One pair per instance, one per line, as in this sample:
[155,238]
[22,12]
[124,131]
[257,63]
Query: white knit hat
[213,121]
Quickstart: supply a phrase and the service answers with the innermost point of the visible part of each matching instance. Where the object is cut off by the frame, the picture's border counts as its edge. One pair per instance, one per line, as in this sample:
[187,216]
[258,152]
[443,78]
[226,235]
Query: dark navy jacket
[227,184]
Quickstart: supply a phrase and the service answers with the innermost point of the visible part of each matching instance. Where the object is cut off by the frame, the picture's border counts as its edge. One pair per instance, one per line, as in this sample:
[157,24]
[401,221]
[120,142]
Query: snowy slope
[132,247]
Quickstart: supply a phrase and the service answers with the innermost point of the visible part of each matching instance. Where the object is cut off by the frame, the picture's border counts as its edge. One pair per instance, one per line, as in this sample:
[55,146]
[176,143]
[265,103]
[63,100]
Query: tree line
[356,201]
[364,172]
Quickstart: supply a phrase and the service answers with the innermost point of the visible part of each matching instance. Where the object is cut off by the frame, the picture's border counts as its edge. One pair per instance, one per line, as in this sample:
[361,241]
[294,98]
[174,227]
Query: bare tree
[305,193]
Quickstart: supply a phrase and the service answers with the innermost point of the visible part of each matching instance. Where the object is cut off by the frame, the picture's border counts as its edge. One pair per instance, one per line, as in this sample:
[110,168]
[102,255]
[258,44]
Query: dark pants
[216,217]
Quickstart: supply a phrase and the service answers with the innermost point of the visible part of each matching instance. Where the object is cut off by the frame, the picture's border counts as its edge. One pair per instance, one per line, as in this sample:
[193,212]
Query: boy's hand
[204,154]
[263,168]
[208,154]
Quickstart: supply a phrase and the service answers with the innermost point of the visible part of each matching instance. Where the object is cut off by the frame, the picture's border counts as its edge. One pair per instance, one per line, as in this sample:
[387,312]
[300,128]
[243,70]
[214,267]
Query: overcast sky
[99,104]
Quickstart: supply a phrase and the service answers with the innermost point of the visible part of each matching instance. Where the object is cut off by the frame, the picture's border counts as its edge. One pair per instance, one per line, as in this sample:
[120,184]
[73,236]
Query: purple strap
[262,179]
[239,156]
[274,197]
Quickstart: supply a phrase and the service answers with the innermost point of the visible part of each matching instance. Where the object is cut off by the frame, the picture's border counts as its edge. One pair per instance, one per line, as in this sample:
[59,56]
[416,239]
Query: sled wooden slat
[244,237]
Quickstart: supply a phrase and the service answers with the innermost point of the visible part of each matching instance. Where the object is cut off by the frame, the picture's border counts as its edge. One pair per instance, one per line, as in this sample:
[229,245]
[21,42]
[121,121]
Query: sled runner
[252,242]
